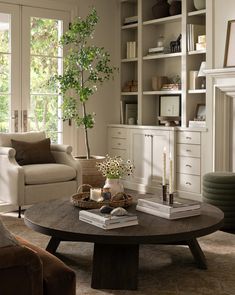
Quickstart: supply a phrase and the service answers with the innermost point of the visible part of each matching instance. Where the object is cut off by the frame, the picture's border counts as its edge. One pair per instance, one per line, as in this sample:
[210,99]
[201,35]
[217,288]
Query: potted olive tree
[86,67]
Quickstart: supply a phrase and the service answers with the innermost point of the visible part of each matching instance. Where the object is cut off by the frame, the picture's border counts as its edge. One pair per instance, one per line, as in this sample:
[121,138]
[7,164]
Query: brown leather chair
[29,270]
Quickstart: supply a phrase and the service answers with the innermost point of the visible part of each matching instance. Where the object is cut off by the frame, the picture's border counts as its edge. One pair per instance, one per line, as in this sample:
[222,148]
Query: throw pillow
[6,238]
[38,152]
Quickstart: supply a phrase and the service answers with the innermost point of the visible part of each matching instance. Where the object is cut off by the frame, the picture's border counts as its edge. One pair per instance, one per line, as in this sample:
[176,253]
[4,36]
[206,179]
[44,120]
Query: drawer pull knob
[189,151]
[188,137]
[188,183]
[187,165]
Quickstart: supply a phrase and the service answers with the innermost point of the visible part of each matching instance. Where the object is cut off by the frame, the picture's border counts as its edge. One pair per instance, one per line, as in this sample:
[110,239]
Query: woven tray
[77,200]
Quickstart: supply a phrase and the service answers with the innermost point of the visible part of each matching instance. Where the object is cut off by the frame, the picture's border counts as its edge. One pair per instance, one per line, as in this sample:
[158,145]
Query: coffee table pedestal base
[115,267]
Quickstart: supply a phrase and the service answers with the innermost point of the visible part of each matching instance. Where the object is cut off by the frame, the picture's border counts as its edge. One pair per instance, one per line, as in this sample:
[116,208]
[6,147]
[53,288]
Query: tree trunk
[88,154]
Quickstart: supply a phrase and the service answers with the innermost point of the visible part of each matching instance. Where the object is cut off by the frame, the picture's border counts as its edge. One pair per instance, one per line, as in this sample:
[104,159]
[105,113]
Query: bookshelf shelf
[194,52]
[198,12]
[129,59]
[131,26]
[162,92]
[163,20]
[196,91]
[129,93]
[159,55]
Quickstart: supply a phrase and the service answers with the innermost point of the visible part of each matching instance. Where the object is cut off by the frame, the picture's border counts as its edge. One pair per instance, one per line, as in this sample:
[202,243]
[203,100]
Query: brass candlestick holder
[164,192]
[171,199]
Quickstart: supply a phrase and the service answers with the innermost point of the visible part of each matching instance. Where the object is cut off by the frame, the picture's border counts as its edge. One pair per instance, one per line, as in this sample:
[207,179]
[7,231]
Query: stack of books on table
[107,221]
[181,208]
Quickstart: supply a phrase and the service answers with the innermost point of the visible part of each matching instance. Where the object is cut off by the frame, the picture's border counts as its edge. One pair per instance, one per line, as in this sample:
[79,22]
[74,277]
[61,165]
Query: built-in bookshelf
[176,66]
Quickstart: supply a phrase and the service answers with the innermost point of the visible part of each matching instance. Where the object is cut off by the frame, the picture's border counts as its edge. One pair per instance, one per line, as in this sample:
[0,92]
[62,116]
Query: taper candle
[171,176]
[164,167]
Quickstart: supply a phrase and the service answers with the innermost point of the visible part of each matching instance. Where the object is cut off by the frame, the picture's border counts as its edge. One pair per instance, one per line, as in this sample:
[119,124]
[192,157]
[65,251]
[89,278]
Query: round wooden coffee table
[116,251]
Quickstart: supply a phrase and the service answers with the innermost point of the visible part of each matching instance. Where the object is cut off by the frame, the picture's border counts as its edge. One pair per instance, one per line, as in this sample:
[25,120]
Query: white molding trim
[223,95]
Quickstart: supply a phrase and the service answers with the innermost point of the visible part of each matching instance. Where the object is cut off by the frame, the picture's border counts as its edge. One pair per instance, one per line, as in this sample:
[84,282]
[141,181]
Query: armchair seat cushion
[48,173]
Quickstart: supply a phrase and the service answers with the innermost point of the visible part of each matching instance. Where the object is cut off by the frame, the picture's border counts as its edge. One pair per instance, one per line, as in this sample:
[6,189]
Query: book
[156,49]
[106,219]
[193,31]
[197,124]
[130,20]
[174,215]
[179,204]
[109,226]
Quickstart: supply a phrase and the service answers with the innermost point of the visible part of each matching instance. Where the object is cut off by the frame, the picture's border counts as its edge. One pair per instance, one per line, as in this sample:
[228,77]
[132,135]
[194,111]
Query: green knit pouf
[219,190]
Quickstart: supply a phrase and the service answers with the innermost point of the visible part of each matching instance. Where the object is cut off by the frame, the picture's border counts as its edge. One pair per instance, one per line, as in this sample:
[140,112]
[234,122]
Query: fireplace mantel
[223,121]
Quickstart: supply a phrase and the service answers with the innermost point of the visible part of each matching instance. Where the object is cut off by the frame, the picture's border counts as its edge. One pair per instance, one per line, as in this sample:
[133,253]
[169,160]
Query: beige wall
[105,102]
[224,10]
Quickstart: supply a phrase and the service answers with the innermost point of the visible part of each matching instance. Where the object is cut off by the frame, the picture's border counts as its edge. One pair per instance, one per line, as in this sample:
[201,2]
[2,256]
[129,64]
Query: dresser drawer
[118,152]
[118,132]
[189,183]
[188,150]
[188,137]
[188,165]
[119,143]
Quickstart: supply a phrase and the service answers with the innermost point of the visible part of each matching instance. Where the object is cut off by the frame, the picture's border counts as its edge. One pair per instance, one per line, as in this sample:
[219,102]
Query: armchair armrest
[20,271]
[7,151]
[61,148]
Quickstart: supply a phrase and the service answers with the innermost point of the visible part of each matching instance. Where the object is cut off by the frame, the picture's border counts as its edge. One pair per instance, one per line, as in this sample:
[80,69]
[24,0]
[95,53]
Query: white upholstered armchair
[32,183]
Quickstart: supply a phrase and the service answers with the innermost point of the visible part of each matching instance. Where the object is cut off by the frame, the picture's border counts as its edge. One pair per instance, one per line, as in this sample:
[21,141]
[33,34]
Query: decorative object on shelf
[169,105]
[175,46]
[131,49]
[201,42]
[158,81]
[175,7]
[160,9]
[156,50]
[202,74]
[106,209]
[193,80]
[113,168]
[200,114]
[82,200]
[131,20]
[229,57]
[169,121]
[131,121]
[170,87]
[199,4]
[130,86]
[160,41]
[106,194]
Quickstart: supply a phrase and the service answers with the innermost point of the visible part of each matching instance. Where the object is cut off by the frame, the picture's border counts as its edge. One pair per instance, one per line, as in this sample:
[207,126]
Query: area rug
[163,270]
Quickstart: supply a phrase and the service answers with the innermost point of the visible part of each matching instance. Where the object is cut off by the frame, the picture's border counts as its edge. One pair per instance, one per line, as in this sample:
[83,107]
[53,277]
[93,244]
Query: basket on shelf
[79,200]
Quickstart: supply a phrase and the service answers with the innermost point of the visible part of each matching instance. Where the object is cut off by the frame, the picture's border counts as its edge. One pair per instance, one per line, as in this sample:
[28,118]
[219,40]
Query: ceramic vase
[115,185]
[199,4]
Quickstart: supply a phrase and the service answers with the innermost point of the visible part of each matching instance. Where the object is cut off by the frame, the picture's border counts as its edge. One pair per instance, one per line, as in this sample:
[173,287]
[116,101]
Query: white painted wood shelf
[129,93]
[163,20]
[194,52]
[195,91]
[129,59]
[162,92]
[159,55]
[130,26]
[197,12]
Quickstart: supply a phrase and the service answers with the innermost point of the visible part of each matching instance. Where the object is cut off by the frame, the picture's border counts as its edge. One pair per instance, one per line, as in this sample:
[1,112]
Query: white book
[109,226]
[156,49]
[132,49]
[131,19]
[106,219]
[175,215]
[128,50]
[179,204]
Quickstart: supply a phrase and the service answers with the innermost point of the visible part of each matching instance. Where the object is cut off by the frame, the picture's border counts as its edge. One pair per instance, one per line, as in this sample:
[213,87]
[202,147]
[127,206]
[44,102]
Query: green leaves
[85,67]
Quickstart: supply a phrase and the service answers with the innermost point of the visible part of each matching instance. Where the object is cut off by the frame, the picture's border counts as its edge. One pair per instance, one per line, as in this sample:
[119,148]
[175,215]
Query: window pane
[4,73]
[4,32]
[4,113]
[42,69]
[44,114]
[45,35]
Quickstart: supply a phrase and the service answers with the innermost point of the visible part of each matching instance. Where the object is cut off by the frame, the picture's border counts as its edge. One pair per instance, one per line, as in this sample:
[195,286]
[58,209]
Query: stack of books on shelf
[156,50]
[107,221]
[130,49]
[181,208]
[131,20]
[193,32]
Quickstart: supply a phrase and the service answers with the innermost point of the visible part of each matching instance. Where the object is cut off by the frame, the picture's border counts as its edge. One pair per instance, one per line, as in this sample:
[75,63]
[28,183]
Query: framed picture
[229,57]
[169,105]
[200,114]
